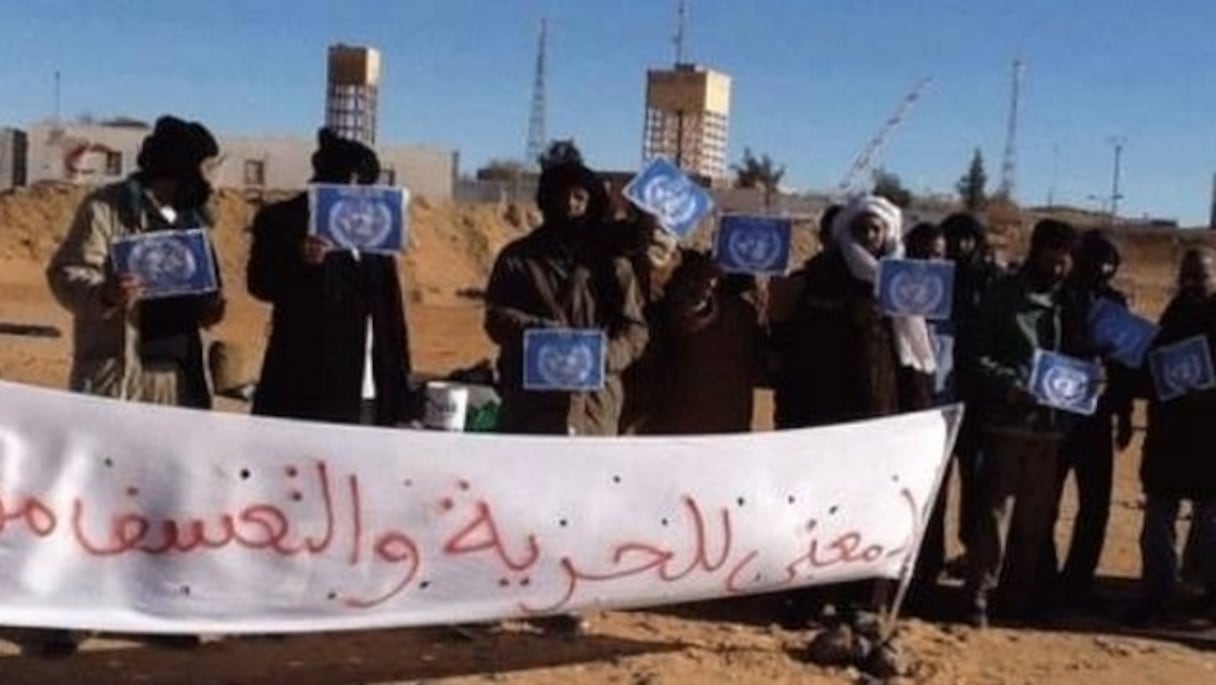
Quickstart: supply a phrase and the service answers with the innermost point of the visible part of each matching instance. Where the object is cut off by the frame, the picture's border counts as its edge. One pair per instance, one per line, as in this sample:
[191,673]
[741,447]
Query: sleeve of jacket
[996,377]
[505,322]
[627,340]
[276,267]
[79,268]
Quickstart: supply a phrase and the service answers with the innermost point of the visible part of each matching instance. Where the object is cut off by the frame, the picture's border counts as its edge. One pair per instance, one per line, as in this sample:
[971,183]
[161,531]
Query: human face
[1198,275]
[577,200]
[868,231]
[1052,266]
[963,247]
[937,248]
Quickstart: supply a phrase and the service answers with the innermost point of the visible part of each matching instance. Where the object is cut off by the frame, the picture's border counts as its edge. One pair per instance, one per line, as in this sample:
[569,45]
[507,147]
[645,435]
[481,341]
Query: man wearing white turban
[838,356]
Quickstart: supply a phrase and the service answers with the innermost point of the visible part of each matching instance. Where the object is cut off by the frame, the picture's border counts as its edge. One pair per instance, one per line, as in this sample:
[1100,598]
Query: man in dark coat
[1088,449]
[561,276]
[974,275]
[1023,313]
[1178,462]
[339,348]
[839,356]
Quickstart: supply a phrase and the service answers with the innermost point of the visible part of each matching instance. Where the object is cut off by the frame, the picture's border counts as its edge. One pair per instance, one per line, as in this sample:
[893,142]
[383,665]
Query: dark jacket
[540,281]
[314,361]
[1179,447]
[1116,398]
[703,359]
[1016,321]
[836,355]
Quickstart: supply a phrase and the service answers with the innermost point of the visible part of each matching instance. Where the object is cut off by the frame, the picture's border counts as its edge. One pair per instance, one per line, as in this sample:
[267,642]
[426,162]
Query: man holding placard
[1178,458]
[339,346]
[1089,448]
[138,273]
[1023,316]
[567,317]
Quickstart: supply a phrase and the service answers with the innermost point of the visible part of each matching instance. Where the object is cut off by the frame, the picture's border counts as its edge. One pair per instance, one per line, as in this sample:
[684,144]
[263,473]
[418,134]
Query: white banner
[126,517]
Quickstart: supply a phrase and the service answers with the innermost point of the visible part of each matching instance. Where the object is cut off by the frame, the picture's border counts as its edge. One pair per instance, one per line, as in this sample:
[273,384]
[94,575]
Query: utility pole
[1115,195]
[1055,174]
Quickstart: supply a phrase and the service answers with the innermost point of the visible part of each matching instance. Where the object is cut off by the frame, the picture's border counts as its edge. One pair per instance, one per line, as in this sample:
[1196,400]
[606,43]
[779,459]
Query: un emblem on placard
[567,365]
[1183,372]
[357,221]
[917,290]
[163,262]
[1065,386]
[674,198]
[755,249]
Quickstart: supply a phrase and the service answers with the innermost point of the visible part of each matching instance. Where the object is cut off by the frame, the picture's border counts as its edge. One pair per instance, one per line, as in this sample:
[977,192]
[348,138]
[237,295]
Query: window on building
[388,177]
[113,163]
[255,172]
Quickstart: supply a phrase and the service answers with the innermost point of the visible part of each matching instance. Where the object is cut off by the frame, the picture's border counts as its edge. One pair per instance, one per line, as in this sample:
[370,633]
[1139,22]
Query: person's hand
[212,311]
[122,292]
[1019,396]
[313,250]
[1123,431]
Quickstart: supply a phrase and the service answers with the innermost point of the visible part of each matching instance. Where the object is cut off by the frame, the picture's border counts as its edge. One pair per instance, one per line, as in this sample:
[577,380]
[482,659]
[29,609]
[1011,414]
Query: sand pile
[452,246]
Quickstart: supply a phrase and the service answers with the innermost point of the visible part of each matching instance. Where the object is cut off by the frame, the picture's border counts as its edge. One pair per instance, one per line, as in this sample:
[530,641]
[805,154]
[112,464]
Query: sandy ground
[710,643]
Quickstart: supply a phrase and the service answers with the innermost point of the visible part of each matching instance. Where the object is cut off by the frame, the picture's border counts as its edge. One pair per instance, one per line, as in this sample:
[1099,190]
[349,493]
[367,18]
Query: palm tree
[758,172]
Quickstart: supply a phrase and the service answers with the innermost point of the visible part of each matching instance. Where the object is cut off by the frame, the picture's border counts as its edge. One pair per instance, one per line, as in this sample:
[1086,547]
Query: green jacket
[1014,322]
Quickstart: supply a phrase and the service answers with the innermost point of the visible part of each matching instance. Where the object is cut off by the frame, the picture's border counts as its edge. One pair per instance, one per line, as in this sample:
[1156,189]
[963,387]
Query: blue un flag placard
[753,244]
[365,218]
[1119,333]
[564,359]
[1182,368]
[1066,383]
[916,287]
[665,191]
[167,263]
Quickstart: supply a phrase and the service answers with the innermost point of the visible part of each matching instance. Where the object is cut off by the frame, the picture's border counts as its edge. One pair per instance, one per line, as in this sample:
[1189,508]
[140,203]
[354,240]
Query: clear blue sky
[813,79]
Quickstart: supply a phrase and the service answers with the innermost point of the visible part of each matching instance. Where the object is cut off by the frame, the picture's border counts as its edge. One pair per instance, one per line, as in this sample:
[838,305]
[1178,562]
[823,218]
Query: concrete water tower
[352,91]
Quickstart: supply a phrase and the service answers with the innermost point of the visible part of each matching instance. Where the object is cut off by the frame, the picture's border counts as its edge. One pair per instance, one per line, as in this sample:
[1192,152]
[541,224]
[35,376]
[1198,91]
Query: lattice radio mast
[1009,163]
[537,137]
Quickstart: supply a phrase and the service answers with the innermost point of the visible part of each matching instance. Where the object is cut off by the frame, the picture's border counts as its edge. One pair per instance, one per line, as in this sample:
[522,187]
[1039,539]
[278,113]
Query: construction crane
[1009,162]
[864,162]
[536,118]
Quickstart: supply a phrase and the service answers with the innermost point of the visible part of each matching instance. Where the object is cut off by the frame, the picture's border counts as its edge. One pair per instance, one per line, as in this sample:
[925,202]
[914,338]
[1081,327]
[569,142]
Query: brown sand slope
[451,250]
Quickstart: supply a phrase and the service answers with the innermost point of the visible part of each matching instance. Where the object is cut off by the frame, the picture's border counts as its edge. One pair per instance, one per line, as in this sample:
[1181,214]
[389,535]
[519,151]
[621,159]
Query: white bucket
[446,406]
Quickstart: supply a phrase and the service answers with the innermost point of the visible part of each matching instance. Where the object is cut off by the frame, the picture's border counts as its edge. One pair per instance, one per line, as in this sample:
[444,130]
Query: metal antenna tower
[536,118]
[1009,163]
[1115,195]
[678,39]
[865,159]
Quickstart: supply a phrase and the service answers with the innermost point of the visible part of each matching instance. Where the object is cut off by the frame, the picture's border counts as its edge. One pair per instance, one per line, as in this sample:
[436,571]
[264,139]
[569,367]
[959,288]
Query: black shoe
[178,642]
[1146,614]
[978,616]
[49,644]
[565,625]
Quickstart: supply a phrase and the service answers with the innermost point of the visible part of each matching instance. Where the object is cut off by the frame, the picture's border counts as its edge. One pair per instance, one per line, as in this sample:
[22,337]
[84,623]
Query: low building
[106,152]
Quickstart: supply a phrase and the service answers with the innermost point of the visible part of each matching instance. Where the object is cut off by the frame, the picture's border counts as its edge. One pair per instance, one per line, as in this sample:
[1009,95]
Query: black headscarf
[175,149]
[554,187]
[338,159]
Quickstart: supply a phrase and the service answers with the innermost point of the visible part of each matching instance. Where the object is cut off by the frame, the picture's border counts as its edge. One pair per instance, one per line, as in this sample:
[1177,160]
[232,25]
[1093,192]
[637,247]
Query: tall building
[352,90]
[687,117]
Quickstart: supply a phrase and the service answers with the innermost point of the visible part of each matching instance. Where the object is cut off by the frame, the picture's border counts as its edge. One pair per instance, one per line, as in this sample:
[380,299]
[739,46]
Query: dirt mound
[452,246]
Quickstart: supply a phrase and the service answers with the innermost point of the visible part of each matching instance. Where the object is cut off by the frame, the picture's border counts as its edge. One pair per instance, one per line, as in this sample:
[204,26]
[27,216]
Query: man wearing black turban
[125,347]
[148,351]
[558,276]
[339,346]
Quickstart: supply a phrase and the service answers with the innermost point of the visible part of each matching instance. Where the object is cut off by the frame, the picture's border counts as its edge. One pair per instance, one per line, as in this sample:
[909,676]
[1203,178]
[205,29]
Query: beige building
[687,118]
[103,153]
[352,86]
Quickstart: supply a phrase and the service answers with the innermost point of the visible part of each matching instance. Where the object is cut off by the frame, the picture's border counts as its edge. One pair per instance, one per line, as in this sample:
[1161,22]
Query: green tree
[758,172]
[889,185]
[970,185]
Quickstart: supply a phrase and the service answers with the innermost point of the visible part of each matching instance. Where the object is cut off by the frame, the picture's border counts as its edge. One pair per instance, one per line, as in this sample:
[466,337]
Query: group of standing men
[686,345]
